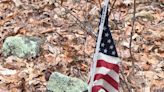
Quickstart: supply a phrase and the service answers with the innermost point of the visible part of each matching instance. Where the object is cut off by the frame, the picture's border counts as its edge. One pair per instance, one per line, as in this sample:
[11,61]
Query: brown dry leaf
[15,90]
[68,59]
[13,62]
[50,57]
[17,3]
[84,67]
[146,66]
[124,53]
[47,30]
[98,2]
[144,14]
[3,90]
[8,18]
[22,31]
[34,21]
[161,54]
[63,1]
[158,82]
[31,71]
[5,1]
[10,79]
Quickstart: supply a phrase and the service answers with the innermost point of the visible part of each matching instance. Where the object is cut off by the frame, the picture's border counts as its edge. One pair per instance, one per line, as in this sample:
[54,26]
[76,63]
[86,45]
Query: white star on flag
[106,34]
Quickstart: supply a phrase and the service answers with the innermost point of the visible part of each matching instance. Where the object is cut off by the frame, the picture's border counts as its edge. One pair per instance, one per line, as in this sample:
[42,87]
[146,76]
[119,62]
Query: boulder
[61,83]
[21,46]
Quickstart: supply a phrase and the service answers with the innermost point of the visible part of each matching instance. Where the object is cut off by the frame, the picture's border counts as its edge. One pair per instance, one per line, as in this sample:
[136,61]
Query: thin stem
[126,84]
[112,7]
[132,31]
[79,22]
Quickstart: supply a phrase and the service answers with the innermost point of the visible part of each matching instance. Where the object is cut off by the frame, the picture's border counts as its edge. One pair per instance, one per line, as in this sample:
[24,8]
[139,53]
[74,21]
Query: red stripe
[102,63]
[97,88]
[108,79]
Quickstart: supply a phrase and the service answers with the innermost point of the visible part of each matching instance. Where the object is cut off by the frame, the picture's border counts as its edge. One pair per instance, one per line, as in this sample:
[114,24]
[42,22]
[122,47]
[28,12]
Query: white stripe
[106,85]
[111,73]
[109,59]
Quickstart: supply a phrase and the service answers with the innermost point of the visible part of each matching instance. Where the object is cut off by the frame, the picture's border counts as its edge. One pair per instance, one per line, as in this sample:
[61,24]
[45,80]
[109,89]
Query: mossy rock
[21,46]
[61,83]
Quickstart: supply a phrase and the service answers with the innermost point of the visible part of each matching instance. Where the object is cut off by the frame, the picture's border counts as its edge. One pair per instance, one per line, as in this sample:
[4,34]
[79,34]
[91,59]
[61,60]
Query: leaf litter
[69,50]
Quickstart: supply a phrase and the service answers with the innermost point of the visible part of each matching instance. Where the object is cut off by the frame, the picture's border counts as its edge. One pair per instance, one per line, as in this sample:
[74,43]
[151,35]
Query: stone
[21,46]
[62,83]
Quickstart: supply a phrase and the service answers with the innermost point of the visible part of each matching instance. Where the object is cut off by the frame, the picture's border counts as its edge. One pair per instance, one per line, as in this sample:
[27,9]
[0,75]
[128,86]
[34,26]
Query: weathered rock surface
[61,83]
[21,46]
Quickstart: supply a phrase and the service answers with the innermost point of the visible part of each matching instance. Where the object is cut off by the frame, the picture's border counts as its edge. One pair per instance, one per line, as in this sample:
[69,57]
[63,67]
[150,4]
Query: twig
[86,35]
[125,81]
[132,31]
[112,7]
[81,24]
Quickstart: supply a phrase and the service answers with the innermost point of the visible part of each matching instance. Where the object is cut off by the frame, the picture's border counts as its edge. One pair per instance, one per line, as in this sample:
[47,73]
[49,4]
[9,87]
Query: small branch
[80,23]
[112,7]
[126,84]
[132,31]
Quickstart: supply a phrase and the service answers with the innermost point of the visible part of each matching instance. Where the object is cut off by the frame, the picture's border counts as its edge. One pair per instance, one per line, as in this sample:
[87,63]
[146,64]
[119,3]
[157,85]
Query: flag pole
[93,68]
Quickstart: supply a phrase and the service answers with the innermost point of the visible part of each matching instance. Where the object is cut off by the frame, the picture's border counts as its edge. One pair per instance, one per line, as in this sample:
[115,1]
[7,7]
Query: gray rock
[61,83]
[21,46]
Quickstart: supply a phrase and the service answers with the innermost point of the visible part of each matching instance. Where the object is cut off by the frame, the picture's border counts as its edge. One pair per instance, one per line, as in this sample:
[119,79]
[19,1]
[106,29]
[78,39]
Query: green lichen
[61,83]
[21,46]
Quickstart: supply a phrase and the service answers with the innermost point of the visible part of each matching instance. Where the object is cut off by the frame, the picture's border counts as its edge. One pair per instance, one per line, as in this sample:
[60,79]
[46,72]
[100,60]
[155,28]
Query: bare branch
[125,81]
[112,7]
[80,23]
[132,31]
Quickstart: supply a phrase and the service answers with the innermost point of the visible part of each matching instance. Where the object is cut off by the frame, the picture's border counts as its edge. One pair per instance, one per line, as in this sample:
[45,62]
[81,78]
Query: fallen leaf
[50,57]
[17,3]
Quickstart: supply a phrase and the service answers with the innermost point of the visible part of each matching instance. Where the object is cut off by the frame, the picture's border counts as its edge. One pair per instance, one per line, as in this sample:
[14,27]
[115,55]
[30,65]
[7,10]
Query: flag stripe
[107,58]
[108,79]
[110,72]
[97,88]
[105,85]
[102,63]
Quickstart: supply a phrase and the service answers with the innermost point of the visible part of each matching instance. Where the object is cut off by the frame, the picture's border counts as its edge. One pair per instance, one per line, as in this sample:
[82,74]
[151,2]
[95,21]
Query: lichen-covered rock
[21,46]
[61,83]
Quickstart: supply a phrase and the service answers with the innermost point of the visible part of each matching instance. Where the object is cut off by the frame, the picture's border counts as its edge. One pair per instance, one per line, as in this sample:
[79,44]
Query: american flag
[106,76]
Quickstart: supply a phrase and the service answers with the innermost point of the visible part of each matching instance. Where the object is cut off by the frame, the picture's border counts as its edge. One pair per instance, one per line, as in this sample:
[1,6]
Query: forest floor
[69,49]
